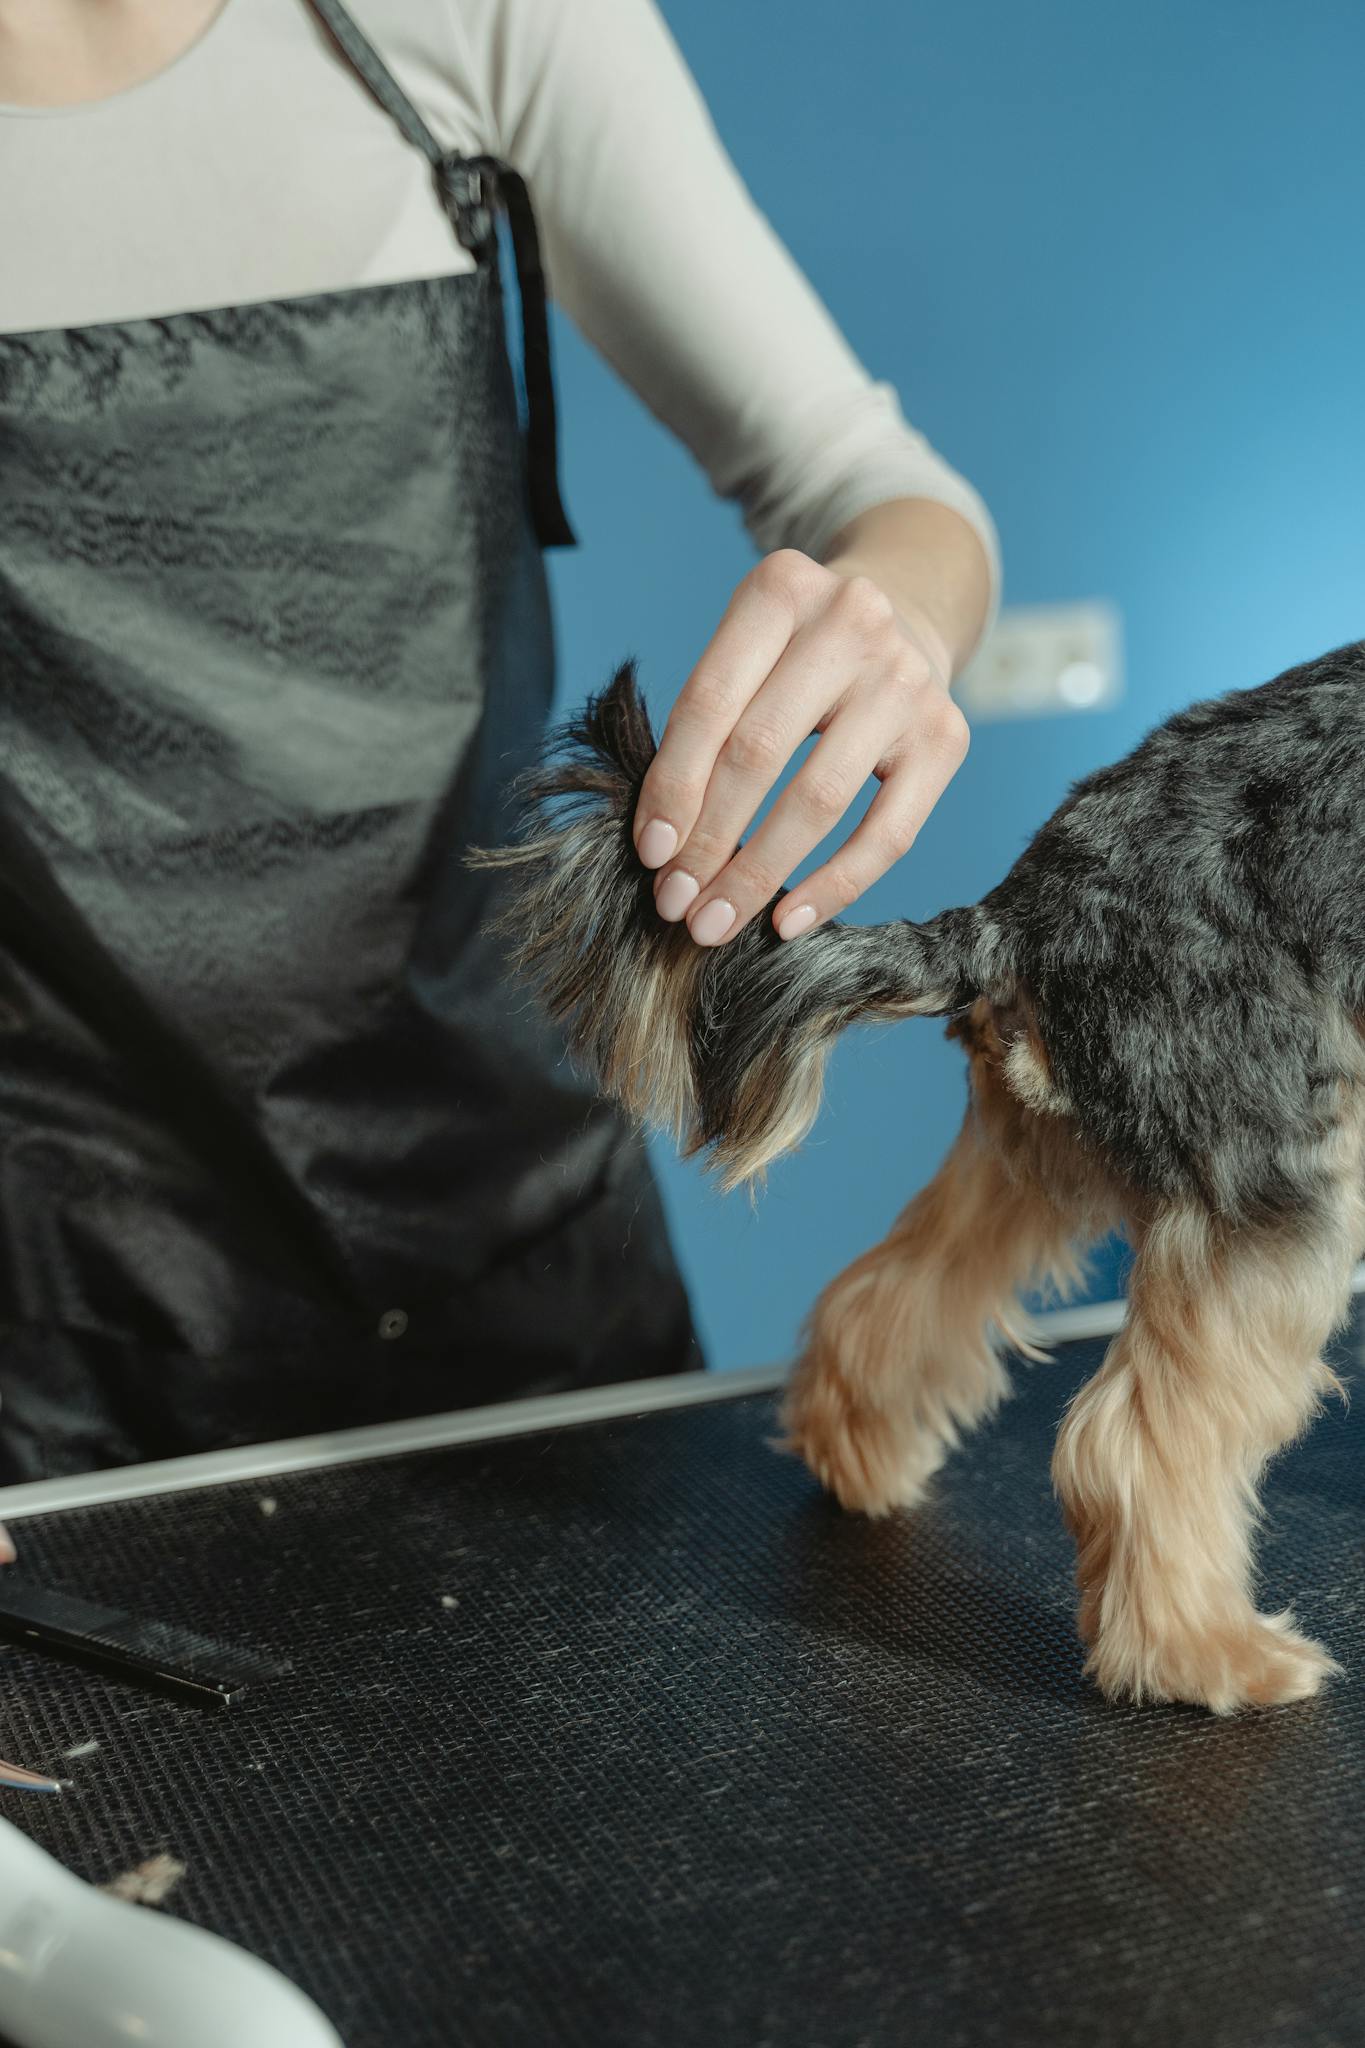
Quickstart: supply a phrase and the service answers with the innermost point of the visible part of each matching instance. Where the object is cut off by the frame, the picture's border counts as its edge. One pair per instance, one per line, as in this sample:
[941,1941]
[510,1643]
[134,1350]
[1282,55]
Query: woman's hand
[7,1551]
[801,649]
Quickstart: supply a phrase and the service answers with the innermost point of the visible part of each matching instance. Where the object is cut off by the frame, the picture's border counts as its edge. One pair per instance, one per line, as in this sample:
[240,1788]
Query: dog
[1162,1007]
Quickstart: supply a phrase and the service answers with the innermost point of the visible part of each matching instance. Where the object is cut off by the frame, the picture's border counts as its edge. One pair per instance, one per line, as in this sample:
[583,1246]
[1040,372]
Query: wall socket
[1043,659]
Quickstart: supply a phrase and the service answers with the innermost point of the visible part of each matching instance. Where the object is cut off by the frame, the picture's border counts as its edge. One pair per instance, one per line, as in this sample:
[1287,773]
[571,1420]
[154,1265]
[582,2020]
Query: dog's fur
[1163,1009]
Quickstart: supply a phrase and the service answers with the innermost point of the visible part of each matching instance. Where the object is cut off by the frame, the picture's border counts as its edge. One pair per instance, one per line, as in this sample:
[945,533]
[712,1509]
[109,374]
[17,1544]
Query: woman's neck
[58,53]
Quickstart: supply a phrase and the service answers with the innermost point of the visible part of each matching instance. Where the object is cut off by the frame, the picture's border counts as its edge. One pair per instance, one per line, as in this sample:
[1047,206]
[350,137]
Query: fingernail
[675,894]
[710,924]
[657,842]
[796,921]
[8,1553]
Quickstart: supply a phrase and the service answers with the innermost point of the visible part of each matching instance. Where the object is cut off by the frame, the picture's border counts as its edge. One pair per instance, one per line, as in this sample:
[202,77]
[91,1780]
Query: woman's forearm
[931,564]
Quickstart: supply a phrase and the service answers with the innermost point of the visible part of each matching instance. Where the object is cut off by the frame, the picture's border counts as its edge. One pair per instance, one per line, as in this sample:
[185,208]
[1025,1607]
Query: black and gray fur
[1187,932]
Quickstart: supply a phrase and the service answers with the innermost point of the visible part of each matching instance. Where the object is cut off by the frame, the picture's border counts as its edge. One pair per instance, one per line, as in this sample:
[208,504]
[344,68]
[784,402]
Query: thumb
[7,1550]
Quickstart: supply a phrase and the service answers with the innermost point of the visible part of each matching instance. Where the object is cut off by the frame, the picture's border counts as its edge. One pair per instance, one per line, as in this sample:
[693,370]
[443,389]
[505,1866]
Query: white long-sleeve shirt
[256,166]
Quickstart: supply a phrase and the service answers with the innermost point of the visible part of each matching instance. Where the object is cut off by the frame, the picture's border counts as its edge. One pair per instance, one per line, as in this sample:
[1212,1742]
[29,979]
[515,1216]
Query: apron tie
[471,189]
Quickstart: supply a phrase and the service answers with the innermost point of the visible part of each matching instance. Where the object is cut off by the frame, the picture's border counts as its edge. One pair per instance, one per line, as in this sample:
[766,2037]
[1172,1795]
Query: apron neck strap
[472,189]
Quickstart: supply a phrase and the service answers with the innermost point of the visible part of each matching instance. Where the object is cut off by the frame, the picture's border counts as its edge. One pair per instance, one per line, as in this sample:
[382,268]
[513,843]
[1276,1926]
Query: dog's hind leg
[902,1351]
[1159,1457]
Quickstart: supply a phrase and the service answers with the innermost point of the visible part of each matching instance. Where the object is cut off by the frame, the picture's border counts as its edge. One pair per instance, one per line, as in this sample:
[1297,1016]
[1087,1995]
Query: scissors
[19,1780]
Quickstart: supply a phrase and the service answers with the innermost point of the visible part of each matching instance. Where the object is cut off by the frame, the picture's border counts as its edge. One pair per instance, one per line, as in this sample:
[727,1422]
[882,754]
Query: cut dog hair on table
[1162,1007]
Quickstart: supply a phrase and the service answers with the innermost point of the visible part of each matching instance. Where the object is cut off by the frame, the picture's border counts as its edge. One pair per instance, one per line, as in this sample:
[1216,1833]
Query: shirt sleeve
[657,252]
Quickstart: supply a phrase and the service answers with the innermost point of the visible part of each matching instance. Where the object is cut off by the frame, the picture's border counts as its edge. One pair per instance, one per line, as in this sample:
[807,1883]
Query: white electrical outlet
[1046,658]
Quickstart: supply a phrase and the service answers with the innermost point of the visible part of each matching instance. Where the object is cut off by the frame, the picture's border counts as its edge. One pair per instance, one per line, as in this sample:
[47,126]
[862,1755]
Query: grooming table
[617,1732]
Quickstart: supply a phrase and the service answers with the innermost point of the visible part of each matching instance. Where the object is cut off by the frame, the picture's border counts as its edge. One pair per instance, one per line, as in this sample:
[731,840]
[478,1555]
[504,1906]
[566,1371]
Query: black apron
[280,1147]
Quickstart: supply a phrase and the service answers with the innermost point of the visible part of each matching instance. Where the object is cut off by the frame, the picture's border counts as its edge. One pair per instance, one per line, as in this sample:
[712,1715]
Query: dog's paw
[1254,1660]
[873,1461]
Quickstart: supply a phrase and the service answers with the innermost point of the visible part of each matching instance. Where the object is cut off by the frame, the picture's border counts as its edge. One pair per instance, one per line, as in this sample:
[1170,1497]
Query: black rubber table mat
[624,1735]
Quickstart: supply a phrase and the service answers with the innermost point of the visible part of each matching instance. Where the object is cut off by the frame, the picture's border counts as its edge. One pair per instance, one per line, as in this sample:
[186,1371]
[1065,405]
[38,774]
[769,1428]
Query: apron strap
[471,189]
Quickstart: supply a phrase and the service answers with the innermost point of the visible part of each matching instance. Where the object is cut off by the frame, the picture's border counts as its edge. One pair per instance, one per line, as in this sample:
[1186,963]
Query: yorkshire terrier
[1163,1011]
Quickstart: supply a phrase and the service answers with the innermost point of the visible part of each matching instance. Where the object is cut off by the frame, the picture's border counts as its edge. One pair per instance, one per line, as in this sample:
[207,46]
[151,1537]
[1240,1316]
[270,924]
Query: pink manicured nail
[674,896]
[7,1550]
[711,924]
[657,842]
[796,921]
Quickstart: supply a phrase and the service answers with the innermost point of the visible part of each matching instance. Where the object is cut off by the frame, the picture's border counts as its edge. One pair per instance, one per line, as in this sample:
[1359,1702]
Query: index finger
[746,646]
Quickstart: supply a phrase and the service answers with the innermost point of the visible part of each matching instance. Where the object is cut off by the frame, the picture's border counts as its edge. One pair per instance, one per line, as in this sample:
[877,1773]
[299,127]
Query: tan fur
[1028,1075]
[1158,1461]
[1159,1456]
[650,1071]
[902,1350]
[782,1100]
[1026,1067]
[772,1116]
[644,1060]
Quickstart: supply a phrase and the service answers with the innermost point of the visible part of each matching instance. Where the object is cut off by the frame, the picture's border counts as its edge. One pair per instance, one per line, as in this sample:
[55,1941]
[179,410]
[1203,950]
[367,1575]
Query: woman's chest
[254,167]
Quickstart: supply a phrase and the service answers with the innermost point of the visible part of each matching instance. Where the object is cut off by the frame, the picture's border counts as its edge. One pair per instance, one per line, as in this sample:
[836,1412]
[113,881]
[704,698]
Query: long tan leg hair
[902,1351]
[1159,1457]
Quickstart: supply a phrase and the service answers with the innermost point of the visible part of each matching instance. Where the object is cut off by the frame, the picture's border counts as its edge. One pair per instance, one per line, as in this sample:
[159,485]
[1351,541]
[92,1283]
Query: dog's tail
[723,1046]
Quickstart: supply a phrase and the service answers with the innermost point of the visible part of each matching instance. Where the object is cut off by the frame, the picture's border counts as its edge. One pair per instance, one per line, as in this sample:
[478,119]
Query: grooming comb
[166,1659]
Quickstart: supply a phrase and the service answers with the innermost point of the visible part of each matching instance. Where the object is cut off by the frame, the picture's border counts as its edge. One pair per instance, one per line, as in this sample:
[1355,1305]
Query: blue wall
[1114,259]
